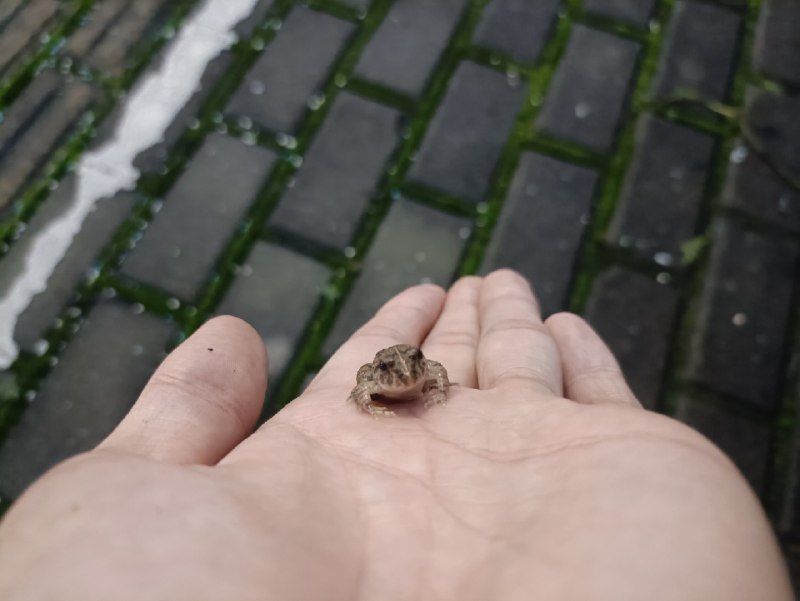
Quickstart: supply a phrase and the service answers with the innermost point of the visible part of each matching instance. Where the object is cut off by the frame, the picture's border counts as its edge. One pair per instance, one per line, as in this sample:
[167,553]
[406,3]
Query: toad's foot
[363,398]
[436,389]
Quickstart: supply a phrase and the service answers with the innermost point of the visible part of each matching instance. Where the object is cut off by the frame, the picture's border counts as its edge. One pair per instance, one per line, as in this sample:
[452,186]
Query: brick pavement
[637,160]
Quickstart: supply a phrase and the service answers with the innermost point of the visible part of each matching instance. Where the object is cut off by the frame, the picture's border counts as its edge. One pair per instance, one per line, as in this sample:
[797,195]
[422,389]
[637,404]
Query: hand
[541,478]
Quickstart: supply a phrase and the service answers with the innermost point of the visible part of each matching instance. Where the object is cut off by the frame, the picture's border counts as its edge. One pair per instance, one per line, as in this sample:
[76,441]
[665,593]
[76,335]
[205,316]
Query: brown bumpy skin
[399,373]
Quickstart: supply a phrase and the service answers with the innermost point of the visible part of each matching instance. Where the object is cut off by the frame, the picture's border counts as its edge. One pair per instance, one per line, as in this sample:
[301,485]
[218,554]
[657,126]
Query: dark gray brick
[663,190]
[291,70]
[700,51]
[775,121]
[745,440]
[754,187]
[112,31]
[415,244]
[255,19]
[635,316]
[792,557]
[788,523]
[200,214]
[341,172]
[777,46]
[540,229]
[276,292]
[86,395]
[409,42]
[589,90]
[7,10]
[743,316]
[467,134]
[636,12]
[31,140]
[95,233]
[518,28]
[20,34]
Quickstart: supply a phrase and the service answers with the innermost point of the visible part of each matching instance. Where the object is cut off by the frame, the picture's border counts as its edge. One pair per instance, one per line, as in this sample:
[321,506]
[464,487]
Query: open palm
[541,478]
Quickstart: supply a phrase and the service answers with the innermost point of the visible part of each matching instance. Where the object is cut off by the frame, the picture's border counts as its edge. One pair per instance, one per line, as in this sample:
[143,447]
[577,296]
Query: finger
[453,342]
[591,373]
[203,400]
[515,347]
[405,319]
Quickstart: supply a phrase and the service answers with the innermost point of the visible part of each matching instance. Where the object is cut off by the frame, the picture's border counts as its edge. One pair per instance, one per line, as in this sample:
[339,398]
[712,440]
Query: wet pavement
[297,163]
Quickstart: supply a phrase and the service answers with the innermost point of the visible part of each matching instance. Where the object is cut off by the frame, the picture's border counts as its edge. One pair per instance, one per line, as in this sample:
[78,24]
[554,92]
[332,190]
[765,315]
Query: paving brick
[255,19]
[415,244]
[409,42]
[518,28]
[292,69]
[466,136]
[276,292]
[777,45]
[340,172]
[635,316]
[95,233]
[775,122]
[663,190]
[589,90]
[21,32]
[745,440]
[541,227]
[789,520]
[754,187]
[636,12]
[86,395]
[701,47]
[743,314]
[7,10]
[32,135]
[792,558]
[200,214]
[111,32]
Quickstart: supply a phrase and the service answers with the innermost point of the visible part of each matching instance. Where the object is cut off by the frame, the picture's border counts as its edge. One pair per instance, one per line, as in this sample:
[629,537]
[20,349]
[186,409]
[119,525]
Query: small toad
[399,373]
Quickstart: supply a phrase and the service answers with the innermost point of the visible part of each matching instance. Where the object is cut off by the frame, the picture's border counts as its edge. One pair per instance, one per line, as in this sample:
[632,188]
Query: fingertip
[467,281]
[240,332]
[204,398]
[592,374]
[420,295]
[508,277]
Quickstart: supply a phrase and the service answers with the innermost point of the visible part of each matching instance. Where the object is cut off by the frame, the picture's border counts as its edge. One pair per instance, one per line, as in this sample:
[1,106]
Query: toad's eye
[382,366]
[418,355]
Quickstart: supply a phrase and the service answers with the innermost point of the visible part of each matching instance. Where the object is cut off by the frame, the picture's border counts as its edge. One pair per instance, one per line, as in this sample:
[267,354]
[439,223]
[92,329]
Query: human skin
[541,478]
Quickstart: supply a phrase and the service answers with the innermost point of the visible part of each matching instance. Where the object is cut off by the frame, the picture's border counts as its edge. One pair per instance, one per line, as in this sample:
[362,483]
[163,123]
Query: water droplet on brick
[316,102]
[582,110]
[739,154]
[256,87]
[739,320]
[40,347]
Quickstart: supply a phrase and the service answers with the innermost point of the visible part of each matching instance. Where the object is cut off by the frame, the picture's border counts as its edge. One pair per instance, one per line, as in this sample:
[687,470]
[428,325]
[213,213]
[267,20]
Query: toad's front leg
[362,395]
[437,385]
